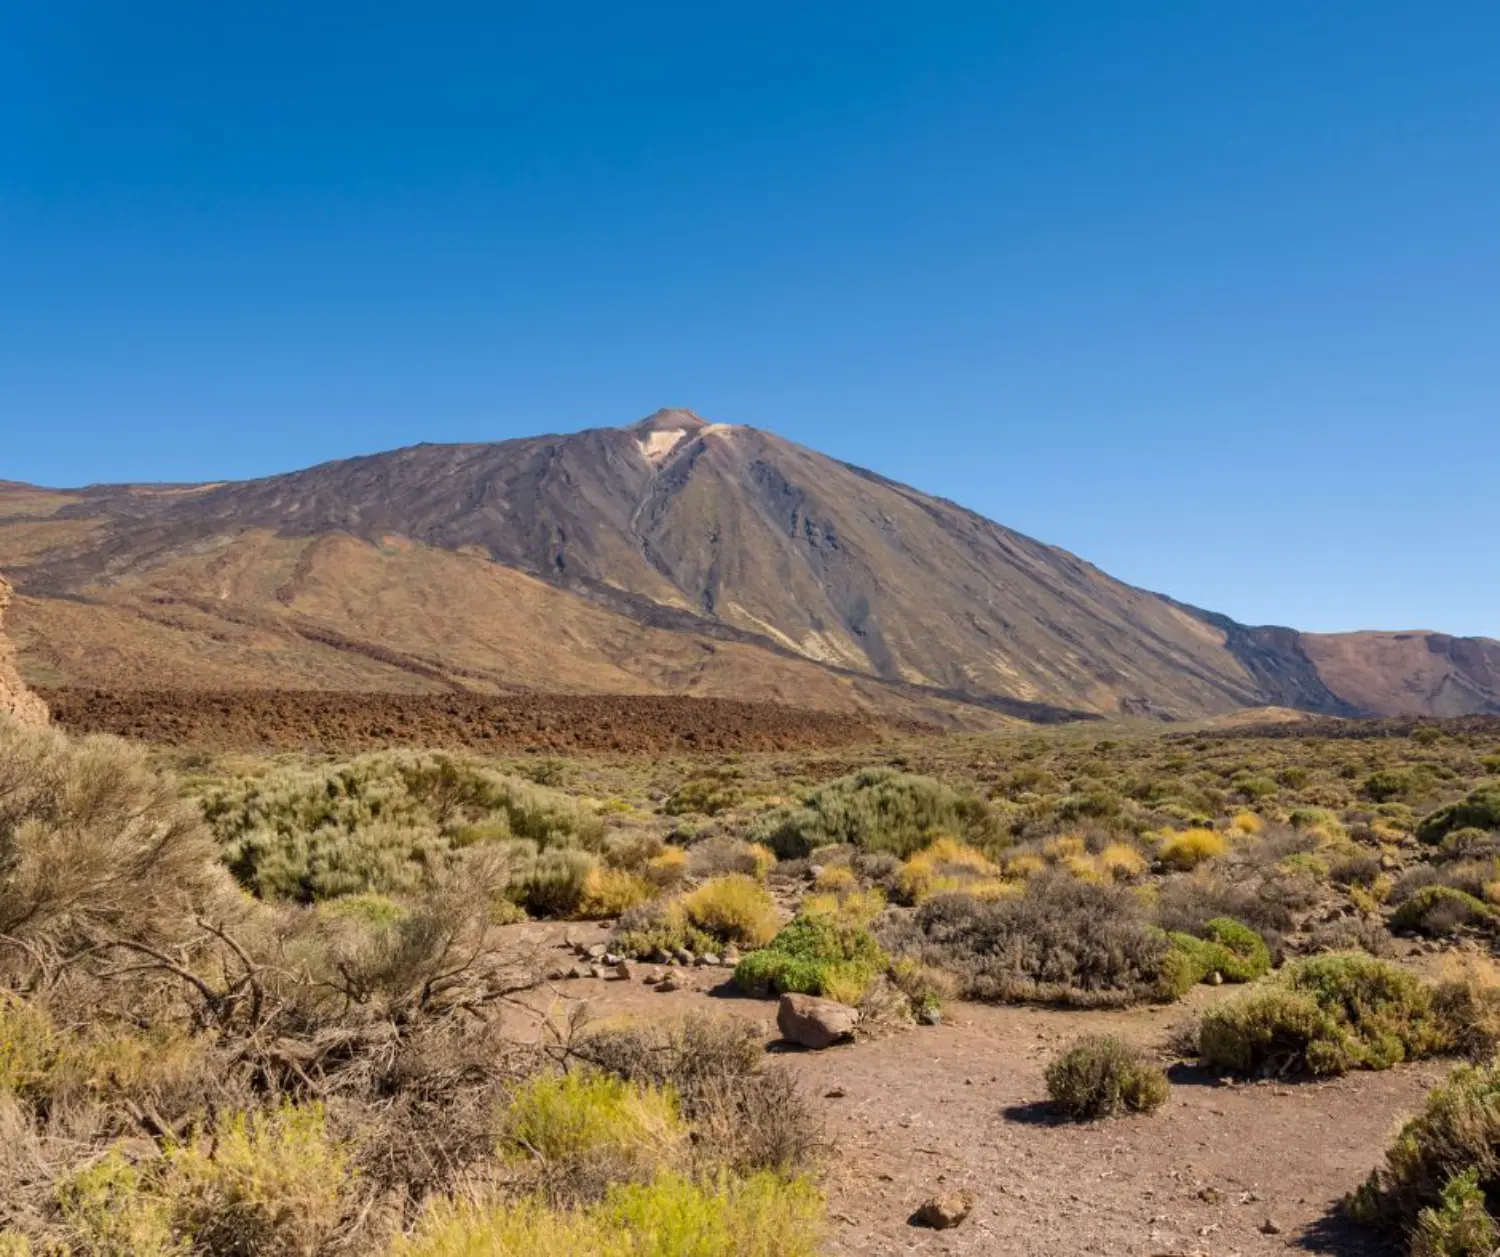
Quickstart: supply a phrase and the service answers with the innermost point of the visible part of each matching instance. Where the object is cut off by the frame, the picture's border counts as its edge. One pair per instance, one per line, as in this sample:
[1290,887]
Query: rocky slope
[16,701]
[672,556]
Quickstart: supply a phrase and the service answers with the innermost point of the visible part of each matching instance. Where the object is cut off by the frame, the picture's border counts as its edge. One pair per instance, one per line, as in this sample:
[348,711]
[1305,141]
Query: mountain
[16,701]
[671,556]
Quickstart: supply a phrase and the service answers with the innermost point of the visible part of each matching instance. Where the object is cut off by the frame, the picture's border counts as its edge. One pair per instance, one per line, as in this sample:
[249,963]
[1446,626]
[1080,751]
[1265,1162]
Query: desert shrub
[94,846]
[668,869]
[658,928]
[878,809]
[553,883]
[764,1215]
[1480,810]
[1225,947]
[734,909]
[1326,1015]
[705,796]
[1099,1076]
[1247,824]
[722,855]
[381,822]
[1439,910]
[609,892]
[1355,870]
[857,908]
[744,1115]
[816,955]
[1188,848]
[1062,940]
[1440,1170]
[1121,861]
[1466,999]
[578,1132]
[269,1181]
[947,866]
[264,1182]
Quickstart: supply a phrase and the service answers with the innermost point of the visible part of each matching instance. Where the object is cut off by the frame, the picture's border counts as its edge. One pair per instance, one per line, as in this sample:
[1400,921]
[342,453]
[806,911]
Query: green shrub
[1480,810]
[384,822]
[1099,1076]
[657,929]
[764,1215]
[1227,947]
[553,883]
[1441,910]
[815,955]
[878,809]
[1326,1015]
[1441,1169]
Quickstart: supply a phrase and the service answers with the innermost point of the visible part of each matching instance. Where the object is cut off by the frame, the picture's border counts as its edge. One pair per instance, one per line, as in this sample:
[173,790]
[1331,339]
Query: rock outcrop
[16,701]
[815,1023]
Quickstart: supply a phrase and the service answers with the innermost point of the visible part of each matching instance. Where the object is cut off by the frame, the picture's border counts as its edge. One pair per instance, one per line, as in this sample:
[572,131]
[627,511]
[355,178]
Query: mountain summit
[671,555]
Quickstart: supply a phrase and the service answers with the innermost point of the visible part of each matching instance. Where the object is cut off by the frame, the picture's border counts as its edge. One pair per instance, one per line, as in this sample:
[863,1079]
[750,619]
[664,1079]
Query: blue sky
[1208,293]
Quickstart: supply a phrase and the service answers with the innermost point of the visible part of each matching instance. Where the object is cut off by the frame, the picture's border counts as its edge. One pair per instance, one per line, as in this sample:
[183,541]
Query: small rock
[1270,1227]
[577,971]
[669,982]
[708,960]
[595,951]
[731,955]
[652,978]
[684,957]
[624,970]
[943,1211]
[814,1023]
[1216,978]
[930,1016]
[611,959]
[598,971]
[556,975]
[835,1093]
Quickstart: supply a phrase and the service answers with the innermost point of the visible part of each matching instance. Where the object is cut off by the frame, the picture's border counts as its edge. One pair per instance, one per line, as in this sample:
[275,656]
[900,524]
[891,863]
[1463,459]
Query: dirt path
[959,1106]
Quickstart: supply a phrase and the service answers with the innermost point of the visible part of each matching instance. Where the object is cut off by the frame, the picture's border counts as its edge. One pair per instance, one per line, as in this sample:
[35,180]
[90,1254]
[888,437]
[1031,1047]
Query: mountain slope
[675,556]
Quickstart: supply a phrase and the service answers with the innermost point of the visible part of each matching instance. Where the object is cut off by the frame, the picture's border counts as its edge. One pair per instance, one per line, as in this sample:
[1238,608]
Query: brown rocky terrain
[16,701]
[552,723]
[674,556]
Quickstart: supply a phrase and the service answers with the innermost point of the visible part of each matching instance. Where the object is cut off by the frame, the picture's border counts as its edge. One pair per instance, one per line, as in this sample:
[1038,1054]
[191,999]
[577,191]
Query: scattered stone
[731,955]
[624,970]
[1216,979]
[598,971]
[708,960]
[943,1211]
[835,1093]
[1209,1195]
[815,1023]
[1270,1227]
[930,1016]
[556,975]
[595,951]
[611,959]
[684,957]
[814,871]
[576,971]
[669,982]
[652,978]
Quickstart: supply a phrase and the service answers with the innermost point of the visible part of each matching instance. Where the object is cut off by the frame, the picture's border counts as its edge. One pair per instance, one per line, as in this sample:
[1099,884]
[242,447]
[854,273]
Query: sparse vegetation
[816,955]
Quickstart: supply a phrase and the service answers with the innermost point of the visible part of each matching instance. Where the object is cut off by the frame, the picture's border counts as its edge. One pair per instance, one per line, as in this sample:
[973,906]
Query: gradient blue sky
[1208,292]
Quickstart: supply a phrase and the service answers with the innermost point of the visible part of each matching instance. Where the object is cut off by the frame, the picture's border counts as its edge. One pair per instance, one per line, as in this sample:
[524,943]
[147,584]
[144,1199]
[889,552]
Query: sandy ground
[1221,1170]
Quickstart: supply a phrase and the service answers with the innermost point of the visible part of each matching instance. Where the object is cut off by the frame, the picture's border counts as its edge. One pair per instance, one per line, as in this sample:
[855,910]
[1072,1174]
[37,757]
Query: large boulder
[815,1023]
[16,701]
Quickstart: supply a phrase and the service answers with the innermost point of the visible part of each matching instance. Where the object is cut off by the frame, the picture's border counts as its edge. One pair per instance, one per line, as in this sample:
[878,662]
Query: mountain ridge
[779,557]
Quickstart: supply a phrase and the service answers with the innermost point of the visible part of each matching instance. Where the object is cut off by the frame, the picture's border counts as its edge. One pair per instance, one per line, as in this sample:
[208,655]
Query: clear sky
[1208,292]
